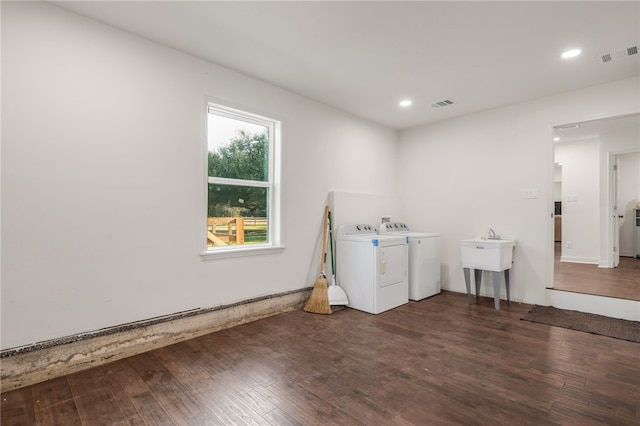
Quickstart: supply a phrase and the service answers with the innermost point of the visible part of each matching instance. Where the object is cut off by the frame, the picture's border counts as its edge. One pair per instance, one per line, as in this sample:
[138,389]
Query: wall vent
[618,54]
[443,103]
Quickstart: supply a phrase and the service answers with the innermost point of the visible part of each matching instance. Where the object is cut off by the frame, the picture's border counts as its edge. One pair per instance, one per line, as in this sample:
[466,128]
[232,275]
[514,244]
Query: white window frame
[273,184]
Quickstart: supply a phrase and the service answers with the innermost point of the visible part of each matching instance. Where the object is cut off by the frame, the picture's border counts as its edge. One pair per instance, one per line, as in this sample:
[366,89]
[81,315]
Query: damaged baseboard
[42,361]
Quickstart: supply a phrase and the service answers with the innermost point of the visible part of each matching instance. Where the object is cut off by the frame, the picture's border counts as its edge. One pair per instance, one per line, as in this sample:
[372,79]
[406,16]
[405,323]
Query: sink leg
[467,278]
[477,273]
[506,283]
[496,289]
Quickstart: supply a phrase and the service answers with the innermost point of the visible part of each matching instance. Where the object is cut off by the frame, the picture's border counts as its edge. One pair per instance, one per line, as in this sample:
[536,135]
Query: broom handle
[324,239]
[333,261]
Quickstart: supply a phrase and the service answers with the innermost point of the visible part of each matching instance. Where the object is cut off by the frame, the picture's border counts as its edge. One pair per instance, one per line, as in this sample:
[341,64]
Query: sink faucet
[492,234]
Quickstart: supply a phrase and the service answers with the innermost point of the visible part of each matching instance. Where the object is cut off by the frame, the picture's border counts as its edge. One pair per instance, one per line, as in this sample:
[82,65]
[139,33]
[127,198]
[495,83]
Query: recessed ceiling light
[571,53]
[556,139]
[405,103]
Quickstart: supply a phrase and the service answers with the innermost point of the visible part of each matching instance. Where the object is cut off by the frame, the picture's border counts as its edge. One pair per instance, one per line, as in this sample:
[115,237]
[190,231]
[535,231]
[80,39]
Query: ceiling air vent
[618,54]
[443,103]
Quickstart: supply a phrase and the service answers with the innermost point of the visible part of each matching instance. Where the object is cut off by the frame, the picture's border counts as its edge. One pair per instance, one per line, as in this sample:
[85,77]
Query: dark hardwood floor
[622,282]
[434,362]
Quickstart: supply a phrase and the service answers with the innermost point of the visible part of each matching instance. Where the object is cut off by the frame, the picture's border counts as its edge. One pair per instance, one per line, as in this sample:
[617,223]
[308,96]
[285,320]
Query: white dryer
[372,268]
[424,259]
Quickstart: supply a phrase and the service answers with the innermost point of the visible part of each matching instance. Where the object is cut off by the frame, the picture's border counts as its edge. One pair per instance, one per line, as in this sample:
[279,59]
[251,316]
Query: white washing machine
[372,268]
[424,259]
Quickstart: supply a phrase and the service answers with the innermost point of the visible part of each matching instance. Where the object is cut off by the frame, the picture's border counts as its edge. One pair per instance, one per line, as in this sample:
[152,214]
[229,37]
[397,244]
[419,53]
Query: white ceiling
[364,57]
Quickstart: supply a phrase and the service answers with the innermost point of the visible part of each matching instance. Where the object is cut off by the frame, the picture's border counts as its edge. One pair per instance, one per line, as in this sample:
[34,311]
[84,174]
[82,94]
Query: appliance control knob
[358,227]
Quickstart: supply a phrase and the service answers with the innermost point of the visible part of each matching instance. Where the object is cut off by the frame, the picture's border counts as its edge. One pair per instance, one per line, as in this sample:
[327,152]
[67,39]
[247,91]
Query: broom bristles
[318,302]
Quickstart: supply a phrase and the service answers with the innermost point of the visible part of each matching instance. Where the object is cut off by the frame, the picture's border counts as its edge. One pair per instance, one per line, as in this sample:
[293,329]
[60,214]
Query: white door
[393,264]
[424,267]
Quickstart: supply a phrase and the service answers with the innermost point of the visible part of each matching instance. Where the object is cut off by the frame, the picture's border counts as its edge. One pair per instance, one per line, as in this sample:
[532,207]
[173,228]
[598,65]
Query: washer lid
[412,234]
[397,228]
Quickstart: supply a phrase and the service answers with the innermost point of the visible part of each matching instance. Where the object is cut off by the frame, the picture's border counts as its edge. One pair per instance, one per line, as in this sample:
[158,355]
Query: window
[243,182]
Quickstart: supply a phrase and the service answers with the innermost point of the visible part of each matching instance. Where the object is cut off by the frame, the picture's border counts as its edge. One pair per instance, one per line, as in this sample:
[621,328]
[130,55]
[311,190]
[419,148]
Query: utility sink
[488,254]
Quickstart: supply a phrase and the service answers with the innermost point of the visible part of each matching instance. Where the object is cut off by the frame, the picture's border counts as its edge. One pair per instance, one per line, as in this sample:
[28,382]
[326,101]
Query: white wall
[365,208]
[580,200]
[103,177]
[557,182]
[462,176]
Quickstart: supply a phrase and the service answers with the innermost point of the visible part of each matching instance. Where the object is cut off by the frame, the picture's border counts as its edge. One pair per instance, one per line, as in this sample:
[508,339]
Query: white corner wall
[580,200]
[103,183]
[461,177]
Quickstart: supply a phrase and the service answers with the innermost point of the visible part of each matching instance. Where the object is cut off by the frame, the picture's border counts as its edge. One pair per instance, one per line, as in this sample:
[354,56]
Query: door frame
[613,228]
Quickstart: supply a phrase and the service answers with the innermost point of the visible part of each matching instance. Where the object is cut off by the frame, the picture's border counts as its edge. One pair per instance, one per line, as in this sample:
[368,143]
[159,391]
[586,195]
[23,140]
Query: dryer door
[392,264]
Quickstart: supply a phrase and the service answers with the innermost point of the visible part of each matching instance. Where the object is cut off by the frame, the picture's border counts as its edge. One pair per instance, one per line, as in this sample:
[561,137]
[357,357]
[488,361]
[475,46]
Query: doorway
[596,187]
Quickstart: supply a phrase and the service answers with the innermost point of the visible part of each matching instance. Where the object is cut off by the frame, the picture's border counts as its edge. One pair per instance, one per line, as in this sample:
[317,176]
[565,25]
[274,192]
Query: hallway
[622,282]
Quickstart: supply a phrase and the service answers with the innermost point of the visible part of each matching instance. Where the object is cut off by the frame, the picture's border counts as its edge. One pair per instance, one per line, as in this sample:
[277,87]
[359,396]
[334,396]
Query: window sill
[226,253]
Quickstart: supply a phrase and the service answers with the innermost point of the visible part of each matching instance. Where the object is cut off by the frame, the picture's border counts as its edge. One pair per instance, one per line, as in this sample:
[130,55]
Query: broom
[318,302]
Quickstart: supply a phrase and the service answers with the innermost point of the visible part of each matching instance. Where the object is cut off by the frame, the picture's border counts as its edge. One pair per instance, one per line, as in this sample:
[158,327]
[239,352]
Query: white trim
[605,264]
[550,243]
[240,251]
[600,305]
[609,238]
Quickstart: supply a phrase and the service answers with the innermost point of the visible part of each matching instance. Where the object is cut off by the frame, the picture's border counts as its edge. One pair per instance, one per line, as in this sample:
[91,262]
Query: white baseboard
[577,259]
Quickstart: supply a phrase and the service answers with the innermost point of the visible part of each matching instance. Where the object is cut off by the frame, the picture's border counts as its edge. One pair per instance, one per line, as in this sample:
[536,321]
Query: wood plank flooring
[622,282]
[434,362]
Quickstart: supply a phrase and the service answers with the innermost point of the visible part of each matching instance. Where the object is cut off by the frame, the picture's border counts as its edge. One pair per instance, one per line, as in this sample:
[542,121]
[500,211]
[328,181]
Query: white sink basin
[488,255]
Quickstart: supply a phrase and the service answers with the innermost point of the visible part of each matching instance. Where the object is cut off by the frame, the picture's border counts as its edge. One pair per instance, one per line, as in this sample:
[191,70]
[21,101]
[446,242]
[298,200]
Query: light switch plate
[530,194]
